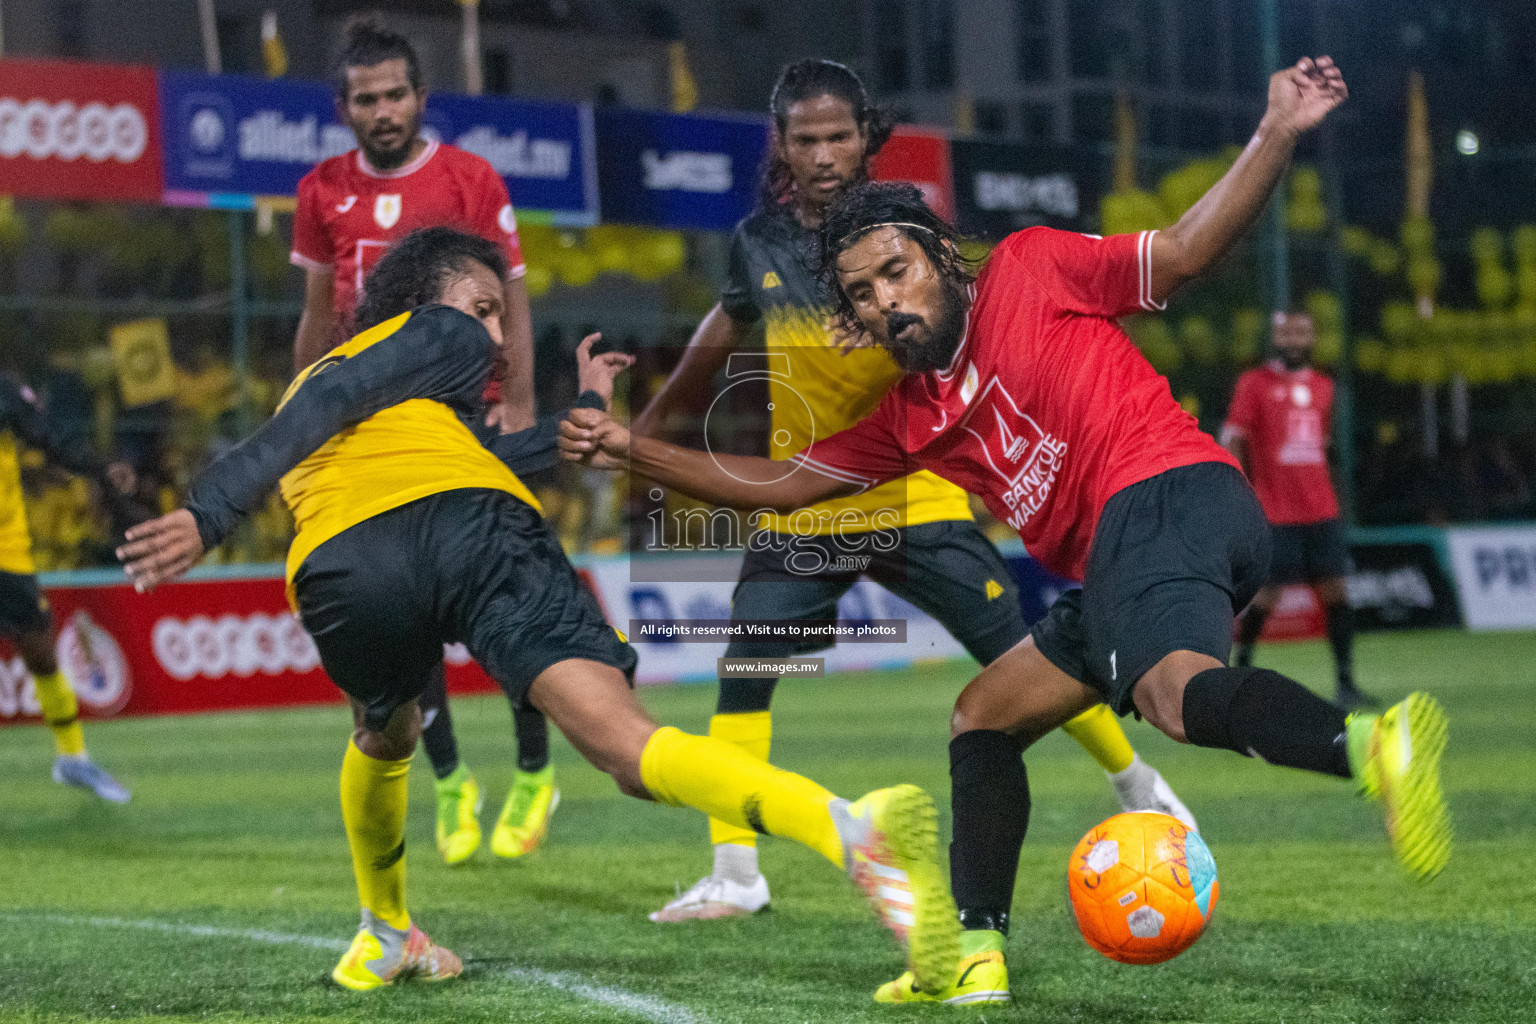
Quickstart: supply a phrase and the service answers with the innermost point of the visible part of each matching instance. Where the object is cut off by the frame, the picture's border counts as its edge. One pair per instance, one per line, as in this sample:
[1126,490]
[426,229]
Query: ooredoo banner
[210,645]
[71,130]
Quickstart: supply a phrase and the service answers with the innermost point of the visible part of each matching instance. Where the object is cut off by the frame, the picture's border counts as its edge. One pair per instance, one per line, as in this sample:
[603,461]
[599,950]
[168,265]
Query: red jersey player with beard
[1278,428]
[351,208]
[1022,389]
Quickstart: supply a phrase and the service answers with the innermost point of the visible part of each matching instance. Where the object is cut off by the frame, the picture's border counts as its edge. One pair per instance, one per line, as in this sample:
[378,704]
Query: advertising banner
[211,645]
[230,137]
[1400,586]
[1001,187]
[1495,571]
[626,600]
[921,158]
[546,152]
[71,130]
[234,644]
[671,171]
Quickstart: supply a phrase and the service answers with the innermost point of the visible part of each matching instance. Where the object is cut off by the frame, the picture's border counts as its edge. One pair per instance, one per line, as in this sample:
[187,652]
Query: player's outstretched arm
[1299,98]
[161,549]
[534,450]
[733,481]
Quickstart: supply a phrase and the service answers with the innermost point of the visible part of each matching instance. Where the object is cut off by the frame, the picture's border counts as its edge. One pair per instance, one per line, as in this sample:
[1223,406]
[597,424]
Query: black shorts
[473,566]
[1174,558]
[947,569]
[1309,553]
[23,608]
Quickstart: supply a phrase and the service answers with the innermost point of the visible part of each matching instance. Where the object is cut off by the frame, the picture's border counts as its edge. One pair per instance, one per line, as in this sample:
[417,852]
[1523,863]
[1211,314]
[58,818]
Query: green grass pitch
[223,891]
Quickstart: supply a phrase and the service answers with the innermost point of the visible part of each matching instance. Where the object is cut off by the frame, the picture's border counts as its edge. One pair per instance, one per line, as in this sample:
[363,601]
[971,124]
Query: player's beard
[1295,359]
[934,346]
[387,158]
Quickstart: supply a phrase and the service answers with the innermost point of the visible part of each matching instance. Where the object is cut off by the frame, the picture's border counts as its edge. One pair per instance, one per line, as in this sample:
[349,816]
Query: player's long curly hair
[416,269]
[805,80]
[872,204]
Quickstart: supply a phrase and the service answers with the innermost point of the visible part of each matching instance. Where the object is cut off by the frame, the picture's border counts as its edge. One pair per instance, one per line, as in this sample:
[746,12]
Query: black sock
[1261,713]
[1248,629]
[532,738]
[989,797]
[742,696]
[437,736]
[1341,637]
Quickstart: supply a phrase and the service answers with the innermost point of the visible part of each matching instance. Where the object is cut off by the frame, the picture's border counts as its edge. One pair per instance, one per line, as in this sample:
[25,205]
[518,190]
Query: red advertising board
[1298,615]
[71,130]
[210,645]
[922,158]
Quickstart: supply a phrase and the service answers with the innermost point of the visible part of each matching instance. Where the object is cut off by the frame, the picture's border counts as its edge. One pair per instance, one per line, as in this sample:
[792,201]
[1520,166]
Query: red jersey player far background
[1278,426]
[353,206]
[351,209]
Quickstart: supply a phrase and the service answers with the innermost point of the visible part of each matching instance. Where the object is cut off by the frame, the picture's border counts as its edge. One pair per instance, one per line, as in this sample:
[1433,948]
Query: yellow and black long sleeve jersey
[393,415]
[22,420]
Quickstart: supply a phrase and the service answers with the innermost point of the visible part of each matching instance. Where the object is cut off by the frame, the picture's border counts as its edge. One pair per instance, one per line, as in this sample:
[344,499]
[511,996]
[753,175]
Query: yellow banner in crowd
[142,351]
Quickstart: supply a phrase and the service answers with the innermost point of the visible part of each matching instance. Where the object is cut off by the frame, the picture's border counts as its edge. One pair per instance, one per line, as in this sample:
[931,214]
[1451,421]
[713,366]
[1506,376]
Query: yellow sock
[373,796]
[752,731]
[1100,734]
[60,711]
[726,782]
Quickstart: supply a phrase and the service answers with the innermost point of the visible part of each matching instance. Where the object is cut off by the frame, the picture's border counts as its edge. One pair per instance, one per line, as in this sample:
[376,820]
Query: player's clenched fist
[594,439]
[1302,95]
[161,549]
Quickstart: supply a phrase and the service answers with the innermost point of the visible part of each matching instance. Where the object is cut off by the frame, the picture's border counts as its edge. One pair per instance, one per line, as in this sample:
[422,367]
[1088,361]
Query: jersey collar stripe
[1144,268]
[399,172]
[300,260]
[965,334]
[801,459]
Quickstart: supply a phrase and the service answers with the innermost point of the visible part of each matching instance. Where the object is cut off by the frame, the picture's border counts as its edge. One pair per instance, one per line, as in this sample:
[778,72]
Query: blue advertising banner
[228,138]
[545,151]
[673,171]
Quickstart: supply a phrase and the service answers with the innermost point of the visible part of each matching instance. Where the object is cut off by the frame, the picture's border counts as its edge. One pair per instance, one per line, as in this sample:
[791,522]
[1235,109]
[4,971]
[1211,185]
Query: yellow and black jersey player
[413,532]
[24,614]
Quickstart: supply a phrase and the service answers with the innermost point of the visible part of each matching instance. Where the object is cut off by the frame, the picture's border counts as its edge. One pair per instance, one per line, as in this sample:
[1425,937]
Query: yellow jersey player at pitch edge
[24,614]
[825,132]
[413,532]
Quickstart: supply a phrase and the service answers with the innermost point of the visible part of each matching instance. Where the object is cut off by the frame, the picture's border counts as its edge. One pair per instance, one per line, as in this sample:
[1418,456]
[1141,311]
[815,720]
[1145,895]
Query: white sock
[1133,784]
[736,863]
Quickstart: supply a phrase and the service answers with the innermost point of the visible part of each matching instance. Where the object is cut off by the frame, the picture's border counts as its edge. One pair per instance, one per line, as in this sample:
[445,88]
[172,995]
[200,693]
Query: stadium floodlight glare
[1466,142]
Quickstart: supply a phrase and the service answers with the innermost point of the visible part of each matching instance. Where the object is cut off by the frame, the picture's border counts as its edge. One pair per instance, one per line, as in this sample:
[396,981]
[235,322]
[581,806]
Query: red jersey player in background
[1021,388]
[351,208]
[1278,428]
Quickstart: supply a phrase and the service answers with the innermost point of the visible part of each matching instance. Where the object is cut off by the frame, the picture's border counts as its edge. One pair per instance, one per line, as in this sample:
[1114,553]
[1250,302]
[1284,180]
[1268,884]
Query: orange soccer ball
[1143,887]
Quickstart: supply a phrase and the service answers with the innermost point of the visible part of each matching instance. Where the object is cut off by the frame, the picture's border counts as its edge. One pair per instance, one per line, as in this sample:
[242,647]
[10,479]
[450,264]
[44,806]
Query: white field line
[650,1007]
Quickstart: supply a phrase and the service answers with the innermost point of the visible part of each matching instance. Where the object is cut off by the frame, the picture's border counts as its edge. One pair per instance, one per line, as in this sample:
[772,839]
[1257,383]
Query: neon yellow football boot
[890,841]
[458,809]
[524,820]
[982,981]
[381,955]
[1396,759]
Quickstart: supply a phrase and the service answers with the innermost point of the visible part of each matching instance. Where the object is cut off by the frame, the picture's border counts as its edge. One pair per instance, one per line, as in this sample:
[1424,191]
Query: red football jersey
[1285,415]
[349,212]
[1047,408]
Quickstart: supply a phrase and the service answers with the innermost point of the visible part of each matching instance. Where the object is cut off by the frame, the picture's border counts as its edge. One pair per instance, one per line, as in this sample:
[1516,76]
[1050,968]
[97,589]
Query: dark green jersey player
[825,133]
[413,532]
